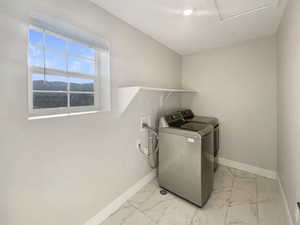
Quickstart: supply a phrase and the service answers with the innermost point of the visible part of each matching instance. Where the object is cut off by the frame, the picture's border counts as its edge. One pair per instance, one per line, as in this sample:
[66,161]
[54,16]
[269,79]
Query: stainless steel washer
[186,158]
[188,115]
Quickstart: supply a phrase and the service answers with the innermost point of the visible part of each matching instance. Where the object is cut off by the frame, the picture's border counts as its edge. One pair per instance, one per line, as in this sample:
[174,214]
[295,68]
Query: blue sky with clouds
[60,54]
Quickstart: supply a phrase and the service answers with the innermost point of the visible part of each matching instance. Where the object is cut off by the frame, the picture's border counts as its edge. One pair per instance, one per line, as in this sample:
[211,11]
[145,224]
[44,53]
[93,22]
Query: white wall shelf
[128,93]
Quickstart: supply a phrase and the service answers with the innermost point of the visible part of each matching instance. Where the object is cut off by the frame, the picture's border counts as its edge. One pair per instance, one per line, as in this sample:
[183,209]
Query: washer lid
[204,119]
[194,126]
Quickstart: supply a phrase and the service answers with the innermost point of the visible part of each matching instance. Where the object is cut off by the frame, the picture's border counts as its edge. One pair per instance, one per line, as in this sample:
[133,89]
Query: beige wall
[289,103]
[237,84]
[65,170]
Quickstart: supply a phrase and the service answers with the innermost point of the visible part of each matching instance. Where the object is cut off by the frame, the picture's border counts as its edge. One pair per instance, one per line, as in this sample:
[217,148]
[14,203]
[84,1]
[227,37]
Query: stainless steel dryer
[186,158]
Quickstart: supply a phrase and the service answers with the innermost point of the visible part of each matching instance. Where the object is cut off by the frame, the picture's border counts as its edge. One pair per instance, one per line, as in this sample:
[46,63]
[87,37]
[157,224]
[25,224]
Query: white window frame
[101,89]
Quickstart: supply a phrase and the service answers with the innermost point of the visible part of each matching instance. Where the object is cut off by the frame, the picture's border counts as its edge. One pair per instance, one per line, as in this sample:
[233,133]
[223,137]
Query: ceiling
[214,23]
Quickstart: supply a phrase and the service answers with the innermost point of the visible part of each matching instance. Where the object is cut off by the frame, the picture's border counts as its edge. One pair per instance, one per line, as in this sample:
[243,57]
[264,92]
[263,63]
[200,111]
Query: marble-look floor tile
[241,174]
[270,203]
[267,189]
[209,216]
[248,184]
[138,218]
[179,212]
[128,215]
[119,217]
[239,198]
[223,179]
[244,191]
[272,212]
[144,194]
[218,200]
[214,211]
[245,214]
[156,205]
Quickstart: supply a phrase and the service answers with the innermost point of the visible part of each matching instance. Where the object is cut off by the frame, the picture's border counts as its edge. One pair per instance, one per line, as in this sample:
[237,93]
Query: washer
[186,158]
[188,115]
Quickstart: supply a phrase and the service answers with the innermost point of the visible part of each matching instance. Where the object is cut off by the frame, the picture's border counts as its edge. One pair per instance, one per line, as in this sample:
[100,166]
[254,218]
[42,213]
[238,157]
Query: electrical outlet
[138,144]
[146,120]
[297,214]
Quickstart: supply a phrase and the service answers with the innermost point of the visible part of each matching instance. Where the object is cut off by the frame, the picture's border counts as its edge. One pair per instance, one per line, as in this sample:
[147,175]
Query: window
[64,74]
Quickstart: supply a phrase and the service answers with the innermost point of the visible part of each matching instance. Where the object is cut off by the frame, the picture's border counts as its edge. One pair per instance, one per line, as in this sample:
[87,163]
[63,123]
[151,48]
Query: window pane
[55,60]
[81,100]
[49,100]
[49,82]
[82,50]
[55,42]
[79,65]
[35,57]
[78,84]
[35,37]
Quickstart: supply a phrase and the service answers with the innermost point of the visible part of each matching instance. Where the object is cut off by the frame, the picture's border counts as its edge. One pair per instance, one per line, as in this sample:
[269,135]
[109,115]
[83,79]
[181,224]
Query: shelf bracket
[164,98]
[125,96]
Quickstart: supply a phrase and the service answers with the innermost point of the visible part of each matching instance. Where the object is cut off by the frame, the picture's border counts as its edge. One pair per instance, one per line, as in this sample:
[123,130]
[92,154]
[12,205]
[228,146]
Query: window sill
[61,115]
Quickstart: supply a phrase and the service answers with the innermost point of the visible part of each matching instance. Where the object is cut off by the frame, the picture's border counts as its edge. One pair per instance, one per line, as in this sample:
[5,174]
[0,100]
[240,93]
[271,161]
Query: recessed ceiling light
[188,12]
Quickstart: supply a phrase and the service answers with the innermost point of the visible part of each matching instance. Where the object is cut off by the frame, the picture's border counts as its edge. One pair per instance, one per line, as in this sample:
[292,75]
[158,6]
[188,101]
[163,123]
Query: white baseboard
[117,203]
[251,169]
[285,201]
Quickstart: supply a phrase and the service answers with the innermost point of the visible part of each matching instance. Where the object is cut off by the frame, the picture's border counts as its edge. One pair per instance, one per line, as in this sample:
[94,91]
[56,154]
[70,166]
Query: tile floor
[239,198]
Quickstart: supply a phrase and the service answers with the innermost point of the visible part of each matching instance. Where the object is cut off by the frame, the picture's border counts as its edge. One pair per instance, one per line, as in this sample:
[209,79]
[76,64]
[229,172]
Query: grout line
[125,218]
[137,208]
[232,185]
[284,198]
[164,212]
[193,217]
[148,197]
[226,214]
[256,201]
[158,203]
